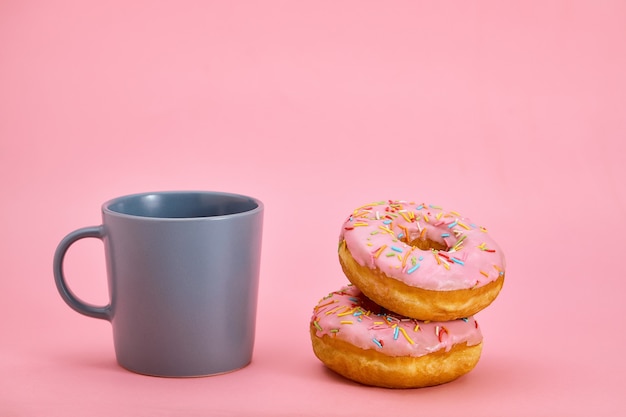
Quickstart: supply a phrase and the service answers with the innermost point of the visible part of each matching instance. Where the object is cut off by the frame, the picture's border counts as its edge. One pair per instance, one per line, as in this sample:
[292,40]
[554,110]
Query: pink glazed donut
[362,341]
[421,261]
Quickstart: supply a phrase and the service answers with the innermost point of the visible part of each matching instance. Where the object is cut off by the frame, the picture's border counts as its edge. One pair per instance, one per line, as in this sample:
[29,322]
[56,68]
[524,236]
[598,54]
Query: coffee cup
[183,275]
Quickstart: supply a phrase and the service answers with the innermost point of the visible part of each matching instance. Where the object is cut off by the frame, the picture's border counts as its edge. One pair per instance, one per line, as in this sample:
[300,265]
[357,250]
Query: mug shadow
[91,361]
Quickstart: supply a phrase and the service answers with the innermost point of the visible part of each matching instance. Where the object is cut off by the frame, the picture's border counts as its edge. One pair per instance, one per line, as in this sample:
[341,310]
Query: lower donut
[364,342]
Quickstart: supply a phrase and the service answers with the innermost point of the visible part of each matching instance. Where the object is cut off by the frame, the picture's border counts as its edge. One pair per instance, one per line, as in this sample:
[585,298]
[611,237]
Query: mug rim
[106,206]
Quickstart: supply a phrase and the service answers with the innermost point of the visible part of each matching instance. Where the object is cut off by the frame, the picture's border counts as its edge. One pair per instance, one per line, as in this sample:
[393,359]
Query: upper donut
[422,245]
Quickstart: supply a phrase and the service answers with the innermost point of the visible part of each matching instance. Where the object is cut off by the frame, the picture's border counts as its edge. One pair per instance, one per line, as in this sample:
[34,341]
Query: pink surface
[514,115]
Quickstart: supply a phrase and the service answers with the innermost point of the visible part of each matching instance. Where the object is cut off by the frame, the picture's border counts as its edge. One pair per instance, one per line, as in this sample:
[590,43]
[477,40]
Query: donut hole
[428,244]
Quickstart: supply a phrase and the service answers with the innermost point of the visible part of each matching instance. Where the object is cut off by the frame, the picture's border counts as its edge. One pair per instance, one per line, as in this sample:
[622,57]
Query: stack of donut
[418,274]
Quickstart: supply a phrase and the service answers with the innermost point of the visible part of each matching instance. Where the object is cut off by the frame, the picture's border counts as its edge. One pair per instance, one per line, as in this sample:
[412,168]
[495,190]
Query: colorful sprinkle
[346,313]
[379,251]
[405,233]
[405,258]
[464,226]
[369,206]
[437,258]
[458,243]
[406,336]
[325,304]
[377,343]
[405,215]
[386,229]
[439,331]
[457,261]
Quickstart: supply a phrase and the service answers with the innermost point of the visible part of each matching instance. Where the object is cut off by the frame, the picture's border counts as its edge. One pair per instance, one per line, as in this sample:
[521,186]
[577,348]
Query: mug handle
[90,310]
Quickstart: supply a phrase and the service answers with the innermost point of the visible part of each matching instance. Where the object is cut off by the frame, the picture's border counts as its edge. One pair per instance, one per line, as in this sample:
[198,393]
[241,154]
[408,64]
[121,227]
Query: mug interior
[177,205]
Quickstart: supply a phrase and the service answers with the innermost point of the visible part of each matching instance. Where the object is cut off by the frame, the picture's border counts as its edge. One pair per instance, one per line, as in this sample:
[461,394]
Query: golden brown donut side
[416,302]
[370,367]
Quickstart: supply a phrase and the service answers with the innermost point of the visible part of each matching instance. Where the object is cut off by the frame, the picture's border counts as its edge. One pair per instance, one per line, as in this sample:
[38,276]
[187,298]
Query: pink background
[513,114]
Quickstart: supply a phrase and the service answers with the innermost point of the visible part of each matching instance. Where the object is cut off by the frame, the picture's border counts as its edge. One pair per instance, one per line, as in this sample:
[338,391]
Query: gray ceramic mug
[183,272]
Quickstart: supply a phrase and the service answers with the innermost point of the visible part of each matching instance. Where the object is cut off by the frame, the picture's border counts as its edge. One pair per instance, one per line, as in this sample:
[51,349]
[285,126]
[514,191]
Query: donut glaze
[422,246]
[362,341]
